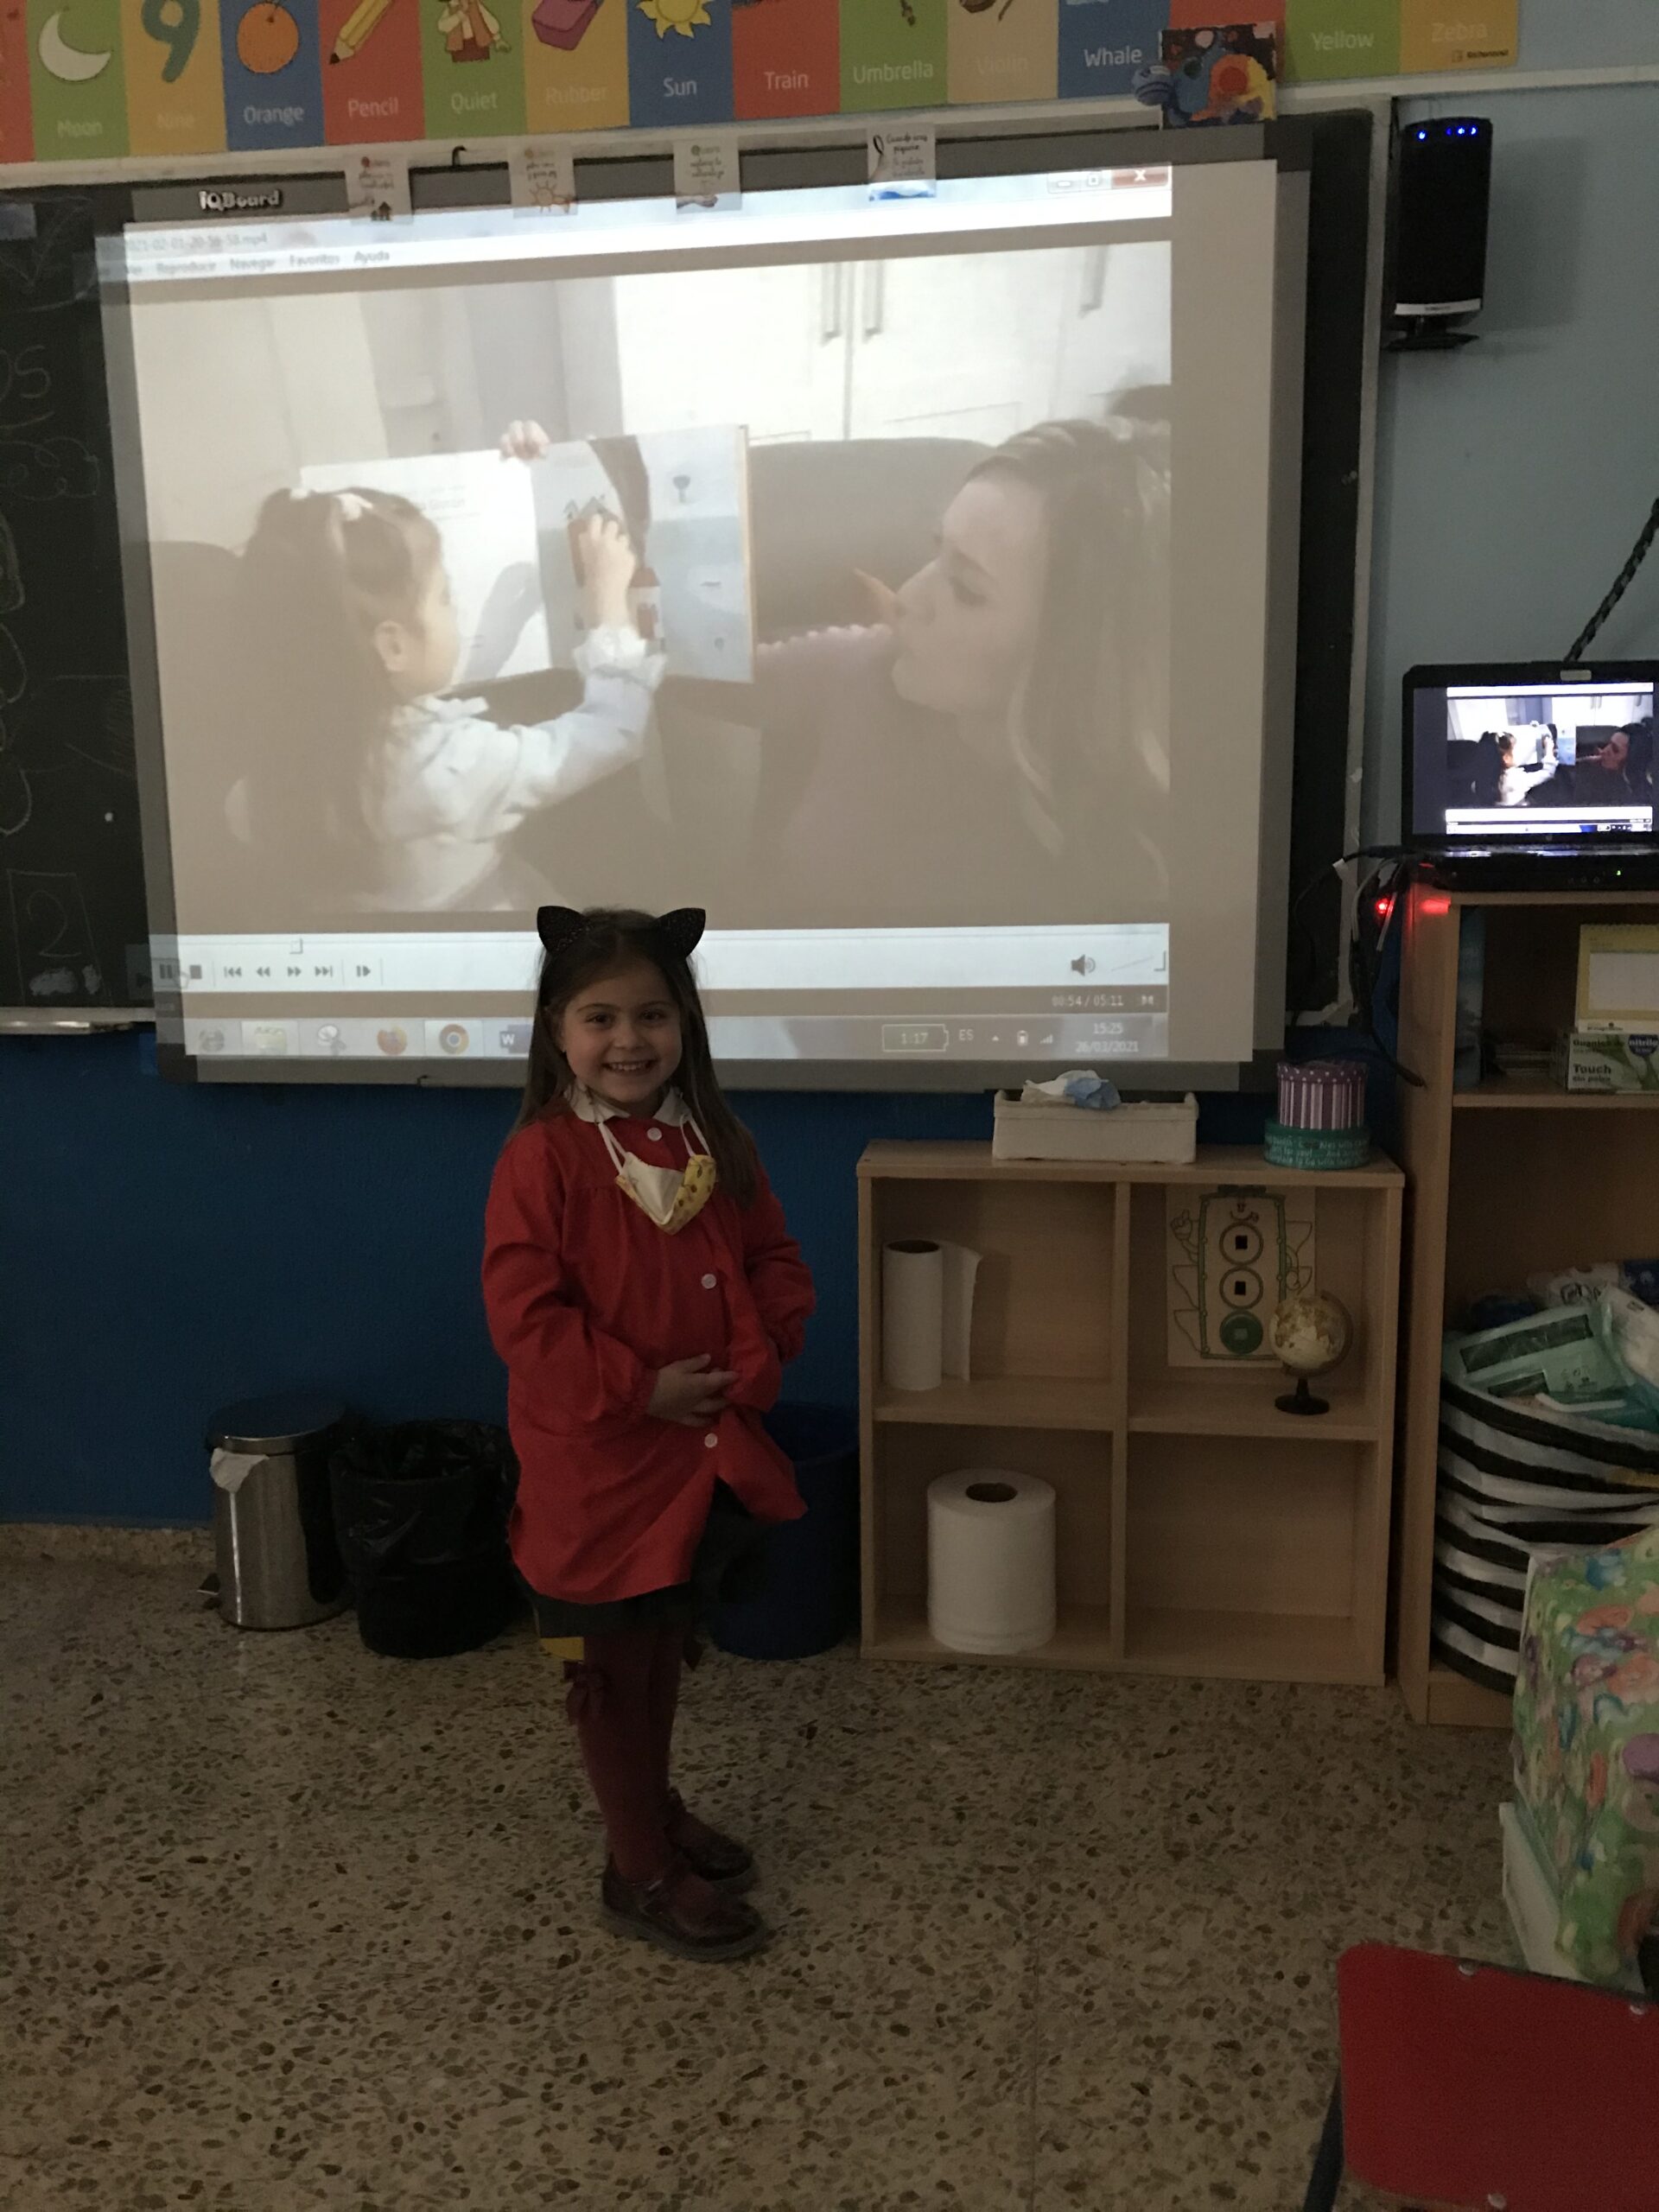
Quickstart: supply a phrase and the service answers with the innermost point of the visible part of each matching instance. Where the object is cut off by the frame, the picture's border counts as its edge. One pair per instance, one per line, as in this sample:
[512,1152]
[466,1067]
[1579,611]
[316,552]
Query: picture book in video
[510,530]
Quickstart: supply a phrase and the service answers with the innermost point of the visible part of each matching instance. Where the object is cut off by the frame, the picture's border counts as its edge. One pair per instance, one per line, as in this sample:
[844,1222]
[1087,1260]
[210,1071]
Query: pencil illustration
[358,27]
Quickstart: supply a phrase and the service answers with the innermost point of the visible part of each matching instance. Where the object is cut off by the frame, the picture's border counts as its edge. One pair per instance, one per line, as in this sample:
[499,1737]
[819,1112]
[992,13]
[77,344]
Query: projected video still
[825,582]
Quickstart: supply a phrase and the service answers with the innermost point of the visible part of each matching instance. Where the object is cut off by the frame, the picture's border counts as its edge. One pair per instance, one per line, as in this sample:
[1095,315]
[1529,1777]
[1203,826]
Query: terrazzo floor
[293,1926]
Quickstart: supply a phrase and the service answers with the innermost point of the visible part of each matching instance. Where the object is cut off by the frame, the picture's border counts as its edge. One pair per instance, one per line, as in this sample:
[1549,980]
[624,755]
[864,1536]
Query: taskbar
[1037,1036]
[1040,1034]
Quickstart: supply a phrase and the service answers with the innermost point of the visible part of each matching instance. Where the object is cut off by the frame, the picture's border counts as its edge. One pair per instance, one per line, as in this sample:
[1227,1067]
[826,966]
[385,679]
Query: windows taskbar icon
[342,1038]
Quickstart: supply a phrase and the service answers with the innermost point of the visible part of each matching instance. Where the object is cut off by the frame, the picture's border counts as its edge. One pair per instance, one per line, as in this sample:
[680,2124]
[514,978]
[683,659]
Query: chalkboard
[73,934]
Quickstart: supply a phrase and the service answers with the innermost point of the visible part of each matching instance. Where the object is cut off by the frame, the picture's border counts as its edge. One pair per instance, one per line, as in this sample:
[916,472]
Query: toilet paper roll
[927,1313]
[990,1560]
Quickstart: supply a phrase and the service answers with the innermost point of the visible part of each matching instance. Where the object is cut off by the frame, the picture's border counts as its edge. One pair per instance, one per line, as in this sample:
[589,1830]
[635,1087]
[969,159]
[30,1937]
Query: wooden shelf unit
[1495,1201]
[1201,1530]
[1535,1090]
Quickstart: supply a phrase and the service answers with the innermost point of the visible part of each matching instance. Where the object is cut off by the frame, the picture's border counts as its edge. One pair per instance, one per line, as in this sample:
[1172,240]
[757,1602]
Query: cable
[1301,931]
[1331,868]
[1365,967]
[1622,583]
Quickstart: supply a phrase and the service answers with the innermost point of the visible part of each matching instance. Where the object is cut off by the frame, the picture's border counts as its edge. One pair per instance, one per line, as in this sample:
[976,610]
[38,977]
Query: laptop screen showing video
[1540,760]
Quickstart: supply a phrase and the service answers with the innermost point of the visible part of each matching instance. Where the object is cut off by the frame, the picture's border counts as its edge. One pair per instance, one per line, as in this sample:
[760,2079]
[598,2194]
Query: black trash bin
[809,1601]
[420,1511]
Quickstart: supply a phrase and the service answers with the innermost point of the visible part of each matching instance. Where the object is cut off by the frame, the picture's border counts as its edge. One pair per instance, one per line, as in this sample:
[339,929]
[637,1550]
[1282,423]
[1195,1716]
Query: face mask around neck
[669,1196]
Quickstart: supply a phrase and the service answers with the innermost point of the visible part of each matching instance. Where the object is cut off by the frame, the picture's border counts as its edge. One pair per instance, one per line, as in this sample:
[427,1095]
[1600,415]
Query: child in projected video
[401,799]
[1518,778]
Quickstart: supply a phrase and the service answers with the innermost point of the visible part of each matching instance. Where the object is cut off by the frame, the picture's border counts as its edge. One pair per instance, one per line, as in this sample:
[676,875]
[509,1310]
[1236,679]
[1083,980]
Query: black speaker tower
[1437,264]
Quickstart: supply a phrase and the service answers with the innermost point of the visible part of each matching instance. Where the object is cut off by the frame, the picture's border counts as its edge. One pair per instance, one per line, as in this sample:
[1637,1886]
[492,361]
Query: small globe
[1310,1333]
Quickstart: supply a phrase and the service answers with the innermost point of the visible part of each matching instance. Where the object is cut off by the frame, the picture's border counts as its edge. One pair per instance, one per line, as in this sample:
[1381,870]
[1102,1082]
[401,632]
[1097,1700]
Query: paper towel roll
[961,1268]
[927,1313]
[990,1560]
[913,1315]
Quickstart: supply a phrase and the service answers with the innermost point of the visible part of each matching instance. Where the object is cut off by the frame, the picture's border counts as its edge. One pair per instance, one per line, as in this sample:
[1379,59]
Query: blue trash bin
[809,1603]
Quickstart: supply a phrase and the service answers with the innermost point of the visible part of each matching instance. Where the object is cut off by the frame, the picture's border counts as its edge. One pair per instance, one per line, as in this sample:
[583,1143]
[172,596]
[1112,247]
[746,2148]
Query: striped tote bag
[1512,1476]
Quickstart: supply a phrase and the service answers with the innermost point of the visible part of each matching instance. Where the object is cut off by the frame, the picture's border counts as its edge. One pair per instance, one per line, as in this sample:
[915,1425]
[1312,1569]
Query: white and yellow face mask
[669,1196]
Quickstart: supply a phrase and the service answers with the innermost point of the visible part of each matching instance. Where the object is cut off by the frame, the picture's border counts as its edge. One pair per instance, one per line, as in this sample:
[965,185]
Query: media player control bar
[1120,955]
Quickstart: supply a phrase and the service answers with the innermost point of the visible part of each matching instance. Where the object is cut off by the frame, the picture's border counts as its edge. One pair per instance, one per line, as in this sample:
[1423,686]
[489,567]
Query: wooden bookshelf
[1535,1091]
[1539,1188]
[1006,1402]
[1245,1405]
[1201,1530]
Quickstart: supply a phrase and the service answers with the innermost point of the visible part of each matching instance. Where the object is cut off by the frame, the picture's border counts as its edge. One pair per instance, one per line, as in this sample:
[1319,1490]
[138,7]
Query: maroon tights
[622,1700]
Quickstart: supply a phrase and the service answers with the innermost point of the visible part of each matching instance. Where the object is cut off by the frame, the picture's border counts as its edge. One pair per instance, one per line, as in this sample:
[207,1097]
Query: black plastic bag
[807,1595]
[421,1513]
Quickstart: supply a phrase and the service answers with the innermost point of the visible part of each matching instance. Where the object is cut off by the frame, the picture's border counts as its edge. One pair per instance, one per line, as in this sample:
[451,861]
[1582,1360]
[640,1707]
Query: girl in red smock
[644,1294]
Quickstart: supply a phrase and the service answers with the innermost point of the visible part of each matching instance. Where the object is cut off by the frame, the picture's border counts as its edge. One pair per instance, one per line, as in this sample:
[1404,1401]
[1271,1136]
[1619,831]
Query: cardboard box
[1607,1059]
[1155,1132]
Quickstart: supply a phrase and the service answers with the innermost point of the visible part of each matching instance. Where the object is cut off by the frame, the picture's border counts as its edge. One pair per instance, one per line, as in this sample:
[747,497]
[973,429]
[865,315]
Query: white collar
[588,1107]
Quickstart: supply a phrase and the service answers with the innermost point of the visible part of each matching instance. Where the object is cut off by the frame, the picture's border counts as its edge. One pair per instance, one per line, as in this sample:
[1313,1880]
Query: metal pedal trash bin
[278,1564]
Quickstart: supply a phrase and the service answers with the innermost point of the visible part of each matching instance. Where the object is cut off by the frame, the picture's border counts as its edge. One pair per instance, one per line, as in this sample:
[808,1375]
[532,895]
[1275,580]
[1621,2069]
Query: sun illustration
[674,16]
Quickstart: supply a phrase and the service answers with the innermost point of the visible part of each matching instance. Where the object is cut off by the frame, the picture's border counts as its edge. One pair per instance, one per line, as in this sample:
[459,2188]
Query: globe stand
[1302,1400]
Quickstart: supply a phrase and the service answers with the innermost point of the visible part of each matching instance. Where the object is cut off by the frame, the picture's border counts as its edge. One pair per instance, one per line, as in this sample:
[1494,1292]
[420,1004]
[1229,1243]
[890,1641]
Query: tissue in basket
[1167,1133]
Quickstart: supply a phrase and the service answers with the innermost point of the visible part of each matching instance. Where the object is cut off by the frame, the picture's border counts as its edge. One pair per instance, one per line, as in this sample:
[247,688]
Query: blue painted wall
[166,1249]
[1513,475]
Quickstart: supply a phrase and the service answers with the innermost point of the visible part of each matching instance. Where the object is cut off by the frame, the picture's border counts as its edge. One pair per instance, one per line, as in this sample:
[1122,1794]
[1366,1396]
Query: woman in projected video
[378,793]
[1004,723]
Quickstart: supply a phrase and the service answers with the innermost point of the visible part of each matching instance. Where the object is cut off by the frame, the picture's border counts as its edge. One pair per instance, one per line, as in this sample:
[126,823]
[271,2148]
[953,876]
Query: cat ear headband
[677,934]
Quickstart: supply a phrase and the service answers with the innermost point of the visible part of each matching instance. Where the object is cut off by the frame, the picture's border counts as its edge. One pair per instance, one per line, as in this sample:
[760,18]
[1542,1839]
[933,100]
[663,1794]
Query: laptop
[1527,776]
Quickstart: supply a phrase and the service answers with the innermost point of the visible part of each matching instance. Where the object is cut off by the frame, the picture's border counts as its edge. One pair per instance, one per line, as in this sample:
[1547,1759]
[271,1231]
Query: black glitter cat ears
[677,934]
[682,930]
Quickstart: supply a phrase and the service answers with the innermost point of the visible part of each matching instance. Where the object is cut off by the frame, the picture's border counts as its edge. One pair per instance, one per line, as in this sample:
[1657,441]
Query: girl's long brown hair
[614,938]
[1093,725]
[318,574]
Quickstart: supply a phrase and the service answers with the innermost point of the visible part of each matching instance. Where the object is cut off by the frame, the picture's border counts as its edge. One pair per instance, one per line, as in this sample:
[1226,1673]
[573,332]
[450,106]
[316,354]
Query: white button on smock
[708,1281]
[710,1441]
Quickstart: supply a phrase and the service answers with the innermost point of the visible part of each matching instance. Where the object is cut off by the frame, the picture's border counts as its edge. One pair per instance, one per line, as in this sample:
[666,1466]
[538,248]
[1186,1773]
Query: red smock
[587,1299]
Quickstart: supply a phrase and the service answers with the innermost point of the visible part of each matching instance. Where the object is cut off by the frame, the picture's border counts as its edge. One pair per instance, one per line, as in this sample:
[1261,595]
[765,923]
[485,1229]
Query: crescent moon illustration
[65,60]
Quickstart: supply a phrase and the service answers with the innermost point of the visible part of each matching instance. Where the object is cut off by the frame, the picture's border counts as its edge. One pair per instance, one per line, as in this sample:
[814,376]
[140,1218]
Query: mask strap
[619,1157]
[703,1141]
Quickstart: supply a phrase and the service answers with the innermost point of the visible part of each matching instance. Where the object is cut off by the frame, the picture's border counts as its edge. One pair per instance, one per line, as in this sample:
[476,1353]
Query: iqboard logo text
[239,203]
